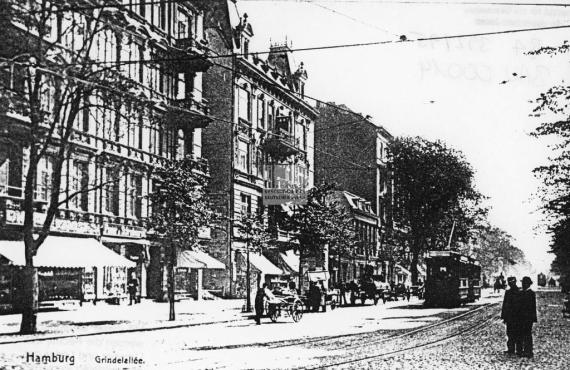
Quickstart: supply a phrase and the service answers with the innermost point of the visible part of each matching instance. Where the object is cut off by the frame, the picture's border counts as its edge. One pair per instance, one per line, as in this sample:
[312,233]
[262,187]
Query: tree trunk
[247,282]
[29,300]
[301,269]
[171,313]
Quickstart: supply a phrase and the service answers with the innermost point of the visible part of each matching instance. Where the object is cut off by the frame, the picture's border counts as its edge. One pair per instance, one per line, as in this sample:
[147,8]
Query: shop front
[70,271]
[188,276]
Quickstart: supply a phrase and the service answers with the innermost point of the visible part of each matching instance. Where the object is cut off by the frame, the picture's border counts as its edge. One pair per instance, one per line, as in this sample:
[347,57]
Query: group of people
[519,314]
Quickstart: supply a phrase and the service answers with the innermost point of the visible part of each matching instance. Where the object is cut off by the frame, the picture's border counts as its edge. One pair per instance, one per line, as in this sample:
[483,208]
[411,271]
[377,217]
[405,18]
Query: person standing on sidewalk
[132,288]
[259,303]
[509,316]
[526,316]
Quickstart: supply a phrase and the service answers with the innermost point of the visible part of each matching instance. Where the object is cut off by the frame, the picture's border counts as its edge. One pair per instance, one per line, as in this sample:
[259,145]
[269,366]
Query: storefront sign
[124,231]
[16,217]
[273,196]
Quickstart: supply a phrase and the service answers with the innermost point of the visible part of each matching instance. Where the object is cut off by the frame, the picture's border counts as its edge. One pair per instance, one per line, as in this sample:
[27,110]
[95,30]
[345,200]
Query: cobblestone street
[362,332]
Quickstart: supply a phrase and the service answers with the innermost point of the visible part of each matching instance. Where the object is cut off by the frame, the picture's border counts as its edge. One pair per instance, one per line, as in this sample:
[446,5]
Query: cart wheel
[297,312]
[274,313]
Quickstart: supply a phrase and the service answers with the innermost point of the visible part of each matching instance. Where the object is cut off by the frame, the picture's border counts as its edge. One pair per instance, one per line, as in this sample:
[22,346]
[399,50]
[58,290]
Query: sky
[461,90]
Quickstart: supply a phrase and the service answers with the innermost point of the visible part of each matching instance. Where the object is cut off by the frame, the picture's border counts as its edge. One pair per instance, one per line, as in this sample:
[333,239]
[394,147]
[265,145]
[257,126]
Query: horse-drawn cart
[285,305]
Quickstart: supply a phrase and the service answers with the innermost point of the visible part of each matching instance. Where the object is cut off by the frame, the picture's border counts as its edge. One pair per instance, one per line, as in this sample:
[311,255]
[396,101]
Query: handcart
[289,305]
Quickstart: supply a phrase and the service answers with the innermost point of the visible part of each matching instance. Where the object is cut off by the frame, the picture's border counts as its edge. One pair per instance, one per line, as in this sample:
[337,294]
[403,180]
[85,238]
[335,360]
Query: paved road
[318,340]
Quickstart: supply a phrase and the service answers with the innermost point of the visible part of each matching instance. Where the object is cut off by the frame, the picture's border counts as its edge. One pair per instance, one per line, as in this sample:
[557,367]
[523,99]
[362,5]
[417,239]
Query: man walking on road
[526,316]
[509,316]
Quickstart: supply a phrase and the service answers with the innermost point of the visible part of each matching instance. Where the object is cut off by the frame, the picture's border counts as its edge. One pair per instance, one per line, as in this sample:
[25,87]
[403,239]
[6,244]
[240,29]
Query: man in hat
[509,316]
[526,316]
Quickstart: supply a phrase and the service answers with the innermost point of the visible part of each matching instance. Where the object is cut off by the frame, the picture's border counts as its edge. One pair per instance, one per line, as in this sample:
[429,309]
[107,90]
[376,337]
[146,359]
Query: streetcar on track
[452,279]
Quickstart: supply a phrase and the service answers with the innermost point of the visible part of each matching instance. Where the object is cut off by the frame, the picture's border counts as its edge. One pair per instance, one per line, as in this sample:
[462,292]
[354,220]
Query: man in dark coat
[526,316]
[259,303]
[509,315]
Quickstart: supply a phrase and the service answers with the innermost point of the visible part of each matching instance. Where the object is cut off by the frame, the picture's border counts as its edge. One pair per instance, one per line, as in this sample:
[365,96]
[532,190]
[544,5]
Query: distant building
[261,137]
[350,150]
[364,258]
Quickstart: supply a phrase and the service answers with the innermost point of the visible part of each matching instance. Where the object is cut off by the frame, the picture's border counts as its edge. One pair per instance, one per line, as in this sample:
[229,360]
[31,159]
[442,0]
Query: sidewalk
[103,318]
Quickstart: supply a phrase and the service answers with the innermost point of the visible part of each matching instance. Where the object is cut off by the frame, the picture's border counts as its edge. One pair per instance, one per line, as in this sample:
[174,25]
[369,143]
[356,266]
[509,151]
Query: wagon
[288,305]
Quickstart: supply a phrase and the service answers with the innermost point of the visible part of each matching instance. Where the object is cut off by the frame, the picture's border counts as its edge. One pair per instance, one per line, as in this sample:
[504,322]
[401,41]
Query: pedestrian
[292,286]
[509,315]
[259,303]
[526,316]
[132,288]
[342,289]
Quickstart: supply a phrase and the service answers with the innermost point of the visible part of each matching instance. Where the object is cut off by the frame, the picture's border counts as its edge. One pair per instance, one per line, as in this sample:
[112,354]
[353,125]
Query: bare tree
[58,74]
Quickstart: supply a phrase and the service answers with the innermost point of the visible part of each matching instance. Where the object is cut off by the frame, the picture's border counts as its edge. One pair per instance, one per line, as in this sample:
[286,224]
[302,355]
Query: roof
[67,252]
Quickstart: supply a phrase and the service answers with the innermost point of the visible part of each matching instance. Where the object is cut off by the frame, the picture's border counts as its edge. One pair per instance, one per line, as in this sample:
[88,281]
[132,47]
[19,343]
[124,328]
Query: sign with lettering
[273,196]
[16,217]
[124,231]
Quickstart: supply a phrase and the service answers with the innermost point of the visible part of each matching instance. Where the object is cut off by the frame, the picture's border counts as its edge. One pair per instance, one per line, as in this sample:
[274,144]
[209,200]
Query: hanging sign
[274,196]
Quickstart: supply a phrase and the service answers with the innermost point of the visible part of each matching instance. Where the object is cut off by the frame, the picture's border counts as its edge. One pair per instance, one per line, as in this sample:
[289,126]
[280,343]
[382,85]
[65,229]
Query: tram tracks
[370,350]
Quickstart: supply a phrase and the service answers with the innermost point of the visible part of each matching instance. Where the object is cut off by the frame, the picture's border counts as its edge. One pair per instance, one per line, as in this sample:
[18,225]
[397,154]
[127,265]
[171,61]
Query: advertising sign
[273,196]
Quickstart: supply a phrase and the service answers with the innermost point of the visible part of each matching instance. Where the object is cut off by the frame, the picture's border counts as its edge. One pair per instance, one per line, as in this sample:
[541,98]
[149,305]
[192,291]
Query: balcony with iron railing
[188,112]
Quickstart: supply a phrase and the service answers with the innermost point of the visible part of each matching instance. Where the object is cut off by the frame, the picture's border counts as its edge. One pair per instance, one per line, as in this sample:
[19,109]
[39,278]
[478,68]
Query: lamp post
[247,278]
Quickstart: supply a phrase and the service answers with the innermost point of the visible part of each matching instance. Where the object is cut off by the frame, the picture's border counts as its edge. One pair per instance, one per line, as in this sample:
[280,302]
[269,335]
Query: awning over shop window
[68,252]
[209,261]
[290,261]
[187,259]
[197,259]
[403,270]
[264,265]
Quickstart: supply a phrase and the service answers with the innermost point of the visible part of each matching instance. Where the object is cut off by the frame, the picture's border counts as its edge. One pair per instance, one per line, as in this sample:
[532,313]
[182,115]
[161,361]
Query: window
[245,47]
[111,191]
[182,24]
[244,104]
[162,15]
[10,169]
[134,200]
[261,113]
[77,182]
[242,156]
[270,115]
[142,8]
[44,179]
[245,204]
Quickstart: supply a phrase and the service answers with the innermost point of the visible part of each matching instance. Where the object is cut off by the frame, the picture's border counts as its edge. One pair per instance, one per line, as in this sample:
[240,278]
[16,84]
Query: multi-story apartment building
[364,259]
[261,135]
[160,48]
[350,150]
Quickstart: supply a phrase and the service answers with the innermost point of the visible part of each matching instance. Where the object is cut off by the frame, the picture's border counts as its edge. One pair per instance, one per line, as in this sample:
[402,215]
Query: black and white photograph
[285,184]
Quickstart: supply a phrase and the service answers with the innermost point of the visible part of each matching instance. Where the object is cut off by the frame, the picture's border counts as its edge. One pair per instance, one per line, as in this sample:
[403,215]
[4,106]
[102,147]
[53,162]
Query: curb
[119,331]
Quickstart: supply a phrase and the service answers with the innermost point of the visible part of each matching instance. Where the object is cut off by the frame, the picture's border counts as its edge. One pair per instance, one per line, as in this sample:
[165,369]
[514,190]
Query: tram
[452,279]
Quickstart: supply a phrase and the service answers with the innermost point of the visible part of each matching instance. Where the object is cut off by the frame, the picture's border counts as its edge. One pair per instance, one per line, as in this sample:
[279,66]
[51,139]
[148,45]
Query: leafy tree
[180,210]
[552,108]
[316,226]
[433,194]
[48,75]
[491,245]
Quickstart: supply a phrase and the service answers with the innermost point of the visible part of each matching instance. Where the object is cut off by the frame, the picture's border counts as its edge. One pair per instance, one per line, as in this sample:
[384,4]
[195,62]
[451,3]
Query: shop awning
[290,260]
[403,270]
[264,265]
[58,251]
[209,261]
[187,259]
[197,259]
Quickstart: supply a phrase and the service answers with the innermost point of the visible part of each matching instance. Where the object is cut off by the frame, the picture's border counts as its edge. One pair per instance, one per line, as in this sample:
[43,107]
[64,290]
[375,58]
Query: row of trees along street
[433,184]
[552,110]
